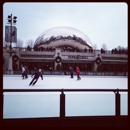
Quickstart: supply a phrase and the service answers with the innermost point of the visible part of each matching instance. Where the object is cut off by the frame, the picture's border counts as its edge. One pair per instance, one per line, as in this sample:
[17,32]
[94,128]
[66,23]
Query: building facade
[59,48]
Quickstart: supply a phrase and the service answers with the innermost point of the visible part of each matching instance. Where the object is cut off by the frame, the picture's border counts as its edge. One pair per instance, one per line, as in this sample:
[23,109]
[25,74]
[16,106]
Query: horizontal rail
[62,95]
[65,90]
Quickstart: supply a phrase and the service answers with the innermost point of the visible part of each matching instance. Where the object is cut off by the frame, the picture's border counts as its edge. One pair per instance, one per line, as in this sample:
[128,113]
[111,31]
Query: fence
[62,96]
[96,73]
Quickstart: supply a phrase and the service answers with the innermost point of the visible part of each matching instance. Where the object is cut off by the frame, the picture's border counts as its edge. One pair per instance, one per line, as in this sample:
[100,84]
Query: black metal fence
[96,73]
[62,96]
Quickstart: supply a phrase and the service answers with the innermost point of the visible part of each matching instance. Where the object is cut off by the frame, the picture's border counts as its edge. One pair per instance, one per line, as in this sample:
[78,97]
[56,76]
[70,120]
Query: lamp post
[11,50]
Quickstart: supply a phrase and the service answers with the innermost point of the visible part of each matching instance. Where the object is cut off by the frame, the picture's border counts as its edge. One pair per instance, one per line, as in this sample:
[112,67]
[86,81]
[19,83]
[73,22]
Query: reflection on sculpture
[62,33]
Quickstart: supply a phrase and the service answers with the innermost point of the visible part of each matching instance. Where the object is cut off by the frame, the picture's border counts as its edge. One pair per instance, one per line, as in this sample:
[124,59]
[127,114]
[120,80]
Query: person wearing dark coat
[71,72]
[36,77]
[26,71]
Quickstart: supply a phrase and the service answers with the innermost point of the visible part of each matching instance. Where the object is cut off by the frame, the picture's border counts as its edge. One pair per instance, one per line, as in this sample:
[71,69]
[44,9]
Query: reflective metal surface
[62,33]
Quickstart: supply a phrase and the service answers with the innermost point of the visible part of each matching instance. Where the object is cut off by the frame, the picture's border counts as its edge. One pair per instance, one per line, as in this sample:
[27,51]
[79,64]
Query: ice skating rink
[47,104]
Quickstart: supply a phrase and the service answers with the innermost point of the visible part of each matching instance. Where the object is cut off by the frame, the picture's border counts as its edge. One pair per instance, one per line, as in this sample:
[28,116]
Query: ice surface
[46,104]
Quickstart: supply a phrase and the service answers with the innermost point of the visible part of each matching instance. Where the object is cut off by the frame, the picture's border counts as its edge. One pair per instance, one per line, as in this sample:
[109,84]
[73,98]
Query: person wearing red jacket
[78,73]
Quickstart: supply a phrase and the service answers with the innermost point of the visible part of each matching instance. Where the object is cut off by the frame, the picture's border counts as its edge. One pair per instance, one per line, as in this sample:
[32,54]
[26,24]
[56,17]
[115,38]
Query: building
[61,47]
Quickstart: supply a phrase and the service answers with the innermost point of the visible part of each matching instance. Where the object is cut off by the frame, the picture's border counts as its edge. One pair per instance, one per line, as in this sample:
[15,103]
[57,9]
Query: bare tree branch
[30,43]
[94,46]
[104,46]
[19,43]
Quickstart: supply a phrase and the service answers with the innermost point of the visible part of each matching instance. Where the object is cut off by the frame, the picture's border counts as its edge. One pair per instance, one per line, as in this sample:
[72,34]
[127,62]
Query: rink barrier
[89,73]
[62,96]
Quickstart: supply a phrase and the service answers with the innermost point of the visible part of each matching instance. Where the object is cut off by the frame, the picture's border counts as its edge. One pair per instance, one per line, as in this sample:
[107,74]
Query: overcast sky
[103,22]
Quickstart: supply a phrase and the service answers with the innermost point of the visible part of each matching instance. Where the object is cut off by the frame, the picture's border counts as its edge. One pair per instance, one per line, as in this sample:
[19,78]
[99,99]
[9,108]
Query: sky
[103,22]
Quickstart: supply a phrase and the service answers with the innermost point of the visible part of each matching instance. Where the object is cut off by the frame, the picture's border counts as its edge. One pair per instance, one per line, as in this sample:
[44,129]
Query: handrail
[62,96]
[67,90]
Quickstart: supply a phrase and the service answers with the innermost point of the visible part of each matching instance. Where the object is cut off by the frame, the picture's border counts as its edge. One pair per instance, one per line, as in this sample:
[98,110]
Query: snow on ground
[46,104]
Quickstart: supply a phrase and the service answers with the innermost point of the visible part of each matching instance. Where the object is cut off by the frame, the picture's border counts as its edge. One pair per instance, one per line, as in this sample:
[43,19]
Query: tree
[119,47]
[94,46]
[30,43]
[19,43]
[104,46]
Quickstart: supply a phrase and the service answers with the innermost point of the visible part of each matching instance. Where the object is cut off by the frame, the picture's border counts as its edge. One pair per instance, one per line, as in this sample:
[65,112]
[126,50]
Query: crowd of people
[76,49]
[63,49]
[116,51]
[119,51]
[41,48]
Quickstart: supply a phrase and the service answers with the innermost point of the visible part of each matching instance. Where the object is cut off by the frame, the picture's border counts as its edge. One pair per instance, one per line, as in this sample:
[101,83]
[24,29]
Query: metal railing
[63,72]
[62,96]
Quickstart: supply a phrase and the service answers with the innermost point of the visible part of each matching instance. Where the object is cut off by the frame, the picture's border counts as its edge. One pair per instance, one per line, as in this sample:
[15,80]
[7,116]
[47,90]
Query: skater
[23,71]
[36,77]
[78,73]
[71,72]
[26,71]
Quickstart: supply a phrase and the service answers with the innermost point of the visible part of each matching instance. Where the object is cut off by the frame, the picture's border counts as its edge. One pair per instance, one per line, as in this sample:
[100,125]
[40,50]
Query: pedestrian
[51,69]
[78,73]
[71,72]
[23,71]
[36,77]
[85,69]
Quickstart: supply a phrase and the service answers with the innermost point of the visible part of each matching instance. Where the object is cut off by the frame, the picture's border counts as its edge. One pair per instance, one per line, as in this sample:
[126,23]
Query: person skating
[26,71]
[23,72]
[78,73]
[71,72]
[36,77]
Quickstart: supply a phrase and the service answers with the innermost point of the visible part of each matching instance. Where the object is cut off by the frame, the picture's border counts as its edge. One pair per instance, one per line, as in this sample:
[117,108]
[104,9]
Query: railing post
[117,103]
[62,104]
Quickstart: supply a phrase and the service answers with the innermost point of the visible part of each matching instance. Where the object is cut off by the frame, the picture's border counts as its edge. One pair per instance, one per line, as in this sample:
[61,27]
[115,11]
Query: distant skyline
[103,22]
